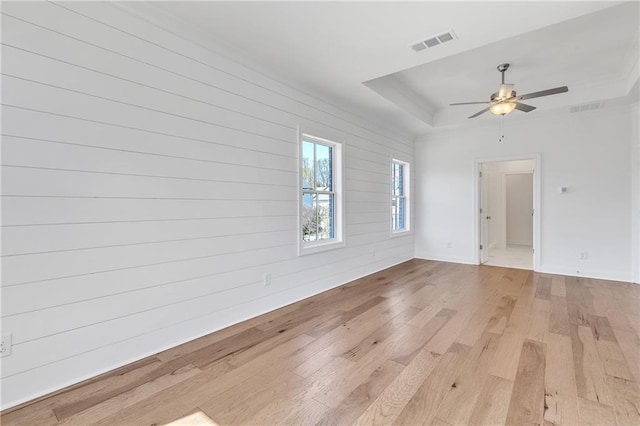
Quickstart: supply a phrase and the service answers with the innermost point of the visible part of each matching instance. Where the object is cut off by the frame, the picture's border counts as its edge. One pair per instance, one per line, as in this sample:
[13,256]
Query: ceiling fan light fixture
[502,108]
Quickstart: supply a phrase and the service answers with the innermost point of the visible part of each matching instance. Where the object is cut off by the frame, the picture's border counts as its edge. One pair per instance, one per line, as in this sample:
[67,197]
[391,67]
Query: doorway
[507,222]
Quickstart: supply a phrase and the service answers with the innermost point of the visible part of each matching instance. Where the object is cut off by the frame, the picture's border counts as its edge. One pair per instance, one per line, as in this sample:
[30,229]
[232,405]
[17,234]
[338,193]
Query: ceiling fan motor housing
[494,96]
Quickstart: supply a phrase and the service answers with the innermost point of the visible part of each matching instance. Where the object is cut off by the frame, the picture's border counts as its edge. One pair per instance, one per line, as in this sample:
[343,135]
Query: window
[399,196]
[321,204]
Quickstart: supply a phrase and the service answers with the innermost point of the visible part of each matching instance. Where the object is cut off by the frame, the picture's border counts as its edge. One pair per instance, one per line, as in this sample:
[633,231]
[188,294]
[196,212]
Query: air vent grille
[586,107]
[433,41]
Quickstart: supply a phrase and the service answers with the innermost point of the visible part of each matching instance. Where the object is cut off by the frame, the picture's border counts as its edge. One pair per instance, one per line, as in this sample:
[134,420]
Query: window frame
[337,169]
[406,191]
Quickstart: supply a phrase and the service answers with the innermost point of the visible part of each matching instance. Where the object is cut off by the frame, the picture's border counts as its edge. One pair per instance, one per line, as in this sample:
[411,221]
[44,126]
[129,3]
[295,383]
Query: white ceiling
[333,48]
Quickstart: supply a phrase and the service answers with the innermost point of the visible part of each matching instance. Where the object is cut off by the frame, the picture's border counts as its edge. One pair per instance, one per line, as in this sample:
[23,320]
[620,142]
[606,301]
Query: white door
[484,218]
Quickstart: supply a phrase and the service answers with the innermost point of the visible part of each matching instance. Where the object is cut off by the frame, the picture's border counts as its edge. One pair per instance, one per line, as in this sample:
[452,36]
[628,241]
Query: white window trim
[306,248]
[408,229]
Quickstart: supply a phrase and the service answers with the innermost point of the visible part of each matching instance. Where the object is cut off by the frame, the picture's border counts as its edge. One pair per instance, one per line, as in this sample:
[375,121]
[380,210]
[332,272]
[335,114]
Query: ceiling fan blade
[469,103]
[478,113]
[524,107]
[547,92]
[505,91]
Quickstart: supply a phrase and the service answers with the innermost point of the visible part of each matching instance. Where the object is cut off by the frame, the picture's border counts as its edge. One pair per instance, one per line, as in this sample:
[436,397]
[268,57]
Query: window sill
[304,250]
[401,233]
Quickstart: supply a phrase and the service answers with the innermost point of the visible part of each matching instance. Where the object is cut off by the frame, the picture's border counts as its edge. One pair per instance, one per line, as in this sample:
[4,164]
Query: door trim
[537,217]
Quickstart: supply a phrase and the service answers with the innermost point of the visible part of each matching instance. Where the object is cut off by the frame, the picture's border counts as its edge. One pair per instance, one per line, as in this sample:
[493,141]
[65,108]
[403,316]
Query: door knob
[488,217]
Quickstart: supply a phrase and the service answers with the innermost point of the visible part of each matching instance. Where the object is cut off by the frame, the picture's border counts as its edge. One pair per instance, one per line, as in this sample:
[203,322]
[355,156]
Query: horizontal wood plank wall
[148,184]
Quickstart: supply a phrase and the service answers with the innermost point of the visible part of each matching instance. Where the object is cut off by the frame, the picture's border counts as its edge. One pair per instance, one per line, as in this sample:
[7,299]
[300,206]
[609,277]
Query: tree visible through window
[399,196]
[318,191]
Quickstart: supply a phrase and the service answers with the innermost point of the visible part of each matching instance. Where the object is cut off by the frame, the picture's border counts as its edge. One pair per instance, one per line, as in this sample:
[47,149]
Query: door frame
[537,217]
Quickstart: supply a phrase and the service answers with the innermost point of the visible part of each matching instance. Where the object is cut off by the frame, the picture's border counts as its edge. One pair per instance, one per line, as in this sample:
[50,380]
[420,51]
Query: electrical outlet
[584,255]
[373,252]
[5,345]
[450,244]
[267,278]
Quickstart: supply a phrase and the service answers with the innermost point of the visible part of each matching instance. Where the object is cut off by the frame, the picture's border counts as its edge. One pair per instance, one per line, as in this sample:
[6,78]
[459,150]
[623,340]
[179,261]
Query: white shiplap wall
[148,184]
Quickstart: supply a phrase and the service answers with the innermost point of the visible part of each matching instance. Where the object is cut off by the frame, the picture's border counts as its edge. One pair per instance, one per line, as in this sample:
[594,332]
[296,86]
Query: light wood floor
[420,343]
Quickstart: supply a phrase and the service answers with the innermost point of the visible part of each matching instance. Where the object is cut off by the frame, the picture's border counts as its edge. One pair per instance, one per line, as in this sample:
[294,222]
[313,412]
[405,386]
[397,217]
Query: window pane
[393,179]
[307,165]
[326,210]
[397,179]
[398,213]
[323,168]
[394,213]
[309,217]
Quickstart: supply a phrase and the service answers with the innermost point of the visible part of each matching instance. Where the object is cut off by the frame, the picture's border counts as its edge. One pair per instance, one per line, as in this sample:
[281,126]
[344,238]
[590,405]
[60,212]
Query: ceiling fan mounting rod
[502,68]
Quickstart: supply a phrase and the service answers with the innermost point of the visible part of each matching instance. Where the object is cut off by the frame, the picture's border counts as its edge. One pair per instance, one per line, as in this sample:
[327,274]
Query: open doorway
[507,199]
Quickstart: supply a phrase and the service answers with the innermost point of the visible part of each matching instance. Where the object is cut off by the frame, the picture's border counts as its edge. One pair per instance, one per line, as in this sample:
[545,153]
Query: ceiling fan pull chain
[501,129]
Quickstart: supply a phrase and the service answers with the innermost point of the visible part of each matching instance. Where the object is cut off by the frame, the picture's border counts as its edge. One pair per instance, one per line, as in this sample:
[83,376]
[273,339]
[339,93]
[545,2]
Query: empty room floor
[423,342]
[513,256]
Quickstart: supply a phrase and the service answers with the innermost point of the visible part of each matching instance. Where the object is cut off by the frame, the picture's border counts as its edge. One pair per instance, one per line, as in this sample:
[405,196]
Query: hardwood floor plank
[386,408]
[128,398]
[558,287]
[561,398]
[422,407]
[478,323]
[368,343]
[416,338]
[607,306]
[613,359]
[498,322]
[589,371]
[539,320]
[527,399]
[493,405]
[334,392]
[38,416]
[460,400]
[559,316]
[324,327]
[299,409]
[247,398]
[431,310]
[344,338]
[595,414]
[626,400]
[630,346]
[357,401]
[507,356]
[543,290]
[189,394]
[611,355]
[136,377]
[634,322]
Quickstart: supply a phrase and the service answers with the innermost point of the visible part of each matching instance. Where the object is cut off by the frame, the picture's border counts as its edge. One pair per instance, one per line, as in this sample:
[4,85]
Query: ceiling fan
[505,99]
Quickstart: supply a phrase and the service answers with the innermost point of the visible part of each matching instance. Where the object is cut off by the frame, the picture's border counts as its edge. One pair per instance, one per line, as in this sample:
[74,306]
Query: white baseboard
[441,258]
[600,275]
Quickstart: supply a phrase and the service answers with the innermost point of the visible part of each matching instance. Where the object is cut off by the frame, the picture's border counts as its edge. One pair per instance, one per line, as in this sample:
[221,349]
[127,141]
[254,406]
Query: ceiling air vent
[586,107]
[433,41]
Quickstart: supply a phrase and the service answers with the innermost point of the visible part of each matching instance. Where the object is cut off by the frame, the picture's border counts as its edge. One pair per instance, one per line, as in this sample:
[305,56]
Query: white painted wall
[519,200]
[148,186]
[587,151]
[494,177]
